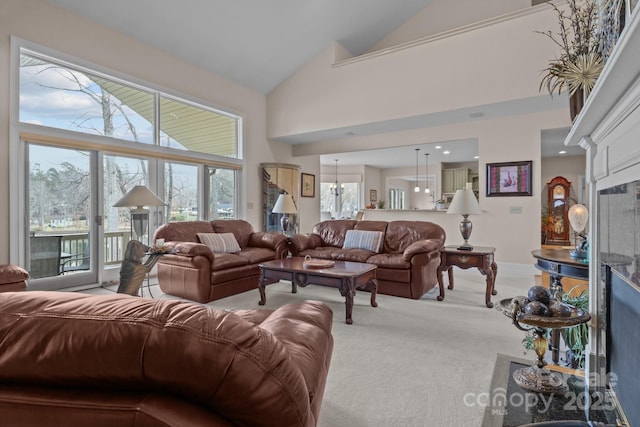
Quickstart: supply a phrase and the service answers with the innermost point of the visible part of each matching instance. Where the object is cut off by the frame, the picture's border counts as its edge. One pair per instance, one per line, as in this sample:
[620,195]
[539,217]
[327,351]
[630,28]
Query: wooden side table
[480,257]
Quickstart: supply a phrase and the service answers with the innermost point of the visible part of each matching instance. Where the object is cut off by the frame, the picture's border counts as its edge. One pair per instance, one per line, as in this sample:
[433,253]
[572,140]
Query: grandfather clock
[558,207]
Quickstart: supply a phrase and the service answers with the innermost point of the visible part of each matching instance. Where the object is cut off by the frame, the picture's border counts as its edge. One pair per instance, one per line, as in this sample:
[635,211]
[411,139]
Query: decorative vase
[576,101]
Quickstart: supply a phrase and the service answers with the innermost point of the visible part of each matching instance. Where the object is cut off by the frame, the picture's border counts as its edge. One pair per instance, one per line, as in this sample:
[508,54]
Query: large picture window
[61,97]
[88,137]
[64,96]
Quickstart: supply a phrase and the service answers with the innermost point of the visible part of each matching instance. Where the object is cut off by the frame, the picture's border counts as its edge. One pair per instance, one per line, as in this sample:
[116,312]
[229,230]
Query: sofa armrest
[421,247]
[189,249]
[301,242]
[270,240]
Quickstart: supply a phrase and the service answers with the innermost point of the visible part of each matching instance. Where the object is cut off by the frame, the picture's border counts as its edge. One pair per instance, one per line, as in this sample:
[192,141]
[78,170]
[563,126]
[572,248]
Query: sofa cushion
[220,242]
[371,225]
[390,261]
[322,252]
[182,231]
[256,255]
[240,228]
[222,261]
[363,239]
[401,234]
[332,232]
[354,255]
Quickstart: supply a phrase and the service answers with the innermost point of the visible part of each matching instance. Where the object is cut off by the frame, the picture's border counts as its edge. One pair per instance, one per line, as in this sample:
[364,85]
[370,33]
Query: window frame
[19,132]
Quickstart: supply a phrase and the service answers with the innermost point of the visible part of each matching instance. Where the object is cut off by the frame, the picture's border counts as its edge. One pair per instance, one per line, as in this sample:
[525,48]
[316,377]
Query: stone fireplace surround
[608,128]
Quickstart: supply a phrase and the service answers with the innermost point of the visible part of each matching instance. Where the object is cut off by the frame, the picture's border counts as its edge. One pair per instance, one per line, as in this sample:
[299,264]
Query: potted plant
[546,226]
[580,61]
[576,337]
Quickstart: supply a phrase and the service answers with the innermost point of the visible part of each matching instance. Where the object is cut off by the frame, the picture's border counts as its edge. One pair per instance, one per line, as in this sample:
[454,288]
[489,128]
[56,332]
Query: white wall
[491,64]
[487,65]
[39,22]
[506,139]
[373,181]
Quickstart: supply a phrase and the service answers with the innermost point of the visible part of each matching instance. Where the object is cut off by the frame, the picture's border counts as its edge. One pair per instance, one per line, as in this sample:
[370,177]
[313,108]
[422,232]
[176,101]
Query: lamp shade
[284,205]
[464,203]
[139,196]
[578,217]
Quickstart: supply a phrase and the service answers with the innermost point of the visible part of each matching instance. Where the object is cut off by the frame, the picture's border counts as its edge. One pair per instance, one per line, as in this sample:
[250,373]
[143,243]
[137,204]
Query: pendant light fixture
[417,187]
[426,180]
[335,189]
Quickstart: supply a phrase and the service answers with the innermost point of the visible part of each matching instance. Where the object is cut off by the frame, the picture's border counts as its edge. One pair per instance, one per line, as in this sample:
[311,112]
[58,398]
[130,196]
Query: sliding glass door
[77,237]
[60,208]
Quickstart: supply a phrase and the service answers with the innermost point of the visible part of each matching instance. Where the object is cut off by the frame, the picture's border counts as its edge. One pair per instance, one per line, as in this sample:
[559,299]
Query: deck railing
[77,245]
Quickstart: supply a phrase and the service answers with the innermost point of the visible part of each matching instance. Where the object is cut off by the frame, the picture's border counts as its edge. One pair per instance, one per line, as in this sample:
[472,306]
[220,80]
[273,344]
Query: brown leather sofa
[407,263]
[70,359]
[13,278]
[194,272]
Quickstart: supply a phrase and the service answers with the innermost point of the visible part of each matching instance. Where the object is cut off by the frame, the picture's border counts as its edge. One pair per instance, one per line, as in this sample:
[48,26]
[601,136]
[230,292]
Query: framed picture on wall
[373,196]
[308,187]
[509,179]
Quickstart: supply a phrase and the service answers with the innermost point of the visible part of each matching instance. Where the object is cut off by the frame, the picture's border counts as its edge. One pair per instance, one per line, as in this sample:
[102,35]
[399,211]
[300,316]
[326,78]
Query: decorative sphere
[539,293]
[536,308]
[559,309]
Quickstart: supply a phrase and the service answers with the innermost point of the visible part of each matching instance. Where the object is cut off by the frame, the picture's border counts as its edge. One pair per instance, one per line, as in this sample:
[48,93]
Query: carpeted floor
[409,362]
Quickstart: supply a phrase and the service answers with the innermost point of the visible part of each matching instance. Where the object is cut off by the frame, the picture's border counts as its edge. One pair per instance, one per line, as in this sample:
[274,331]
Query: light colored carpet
[409,362]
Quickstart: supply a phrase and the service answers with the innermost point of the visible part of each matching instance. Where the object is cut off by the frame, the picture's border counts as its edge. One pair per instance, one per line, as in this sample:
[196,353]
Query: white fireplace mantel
[608,128]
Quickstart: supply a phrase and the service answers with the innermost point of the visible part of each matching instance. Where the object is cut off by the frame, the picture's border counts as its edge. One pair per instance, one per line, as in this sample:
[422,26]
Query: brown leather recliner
[407,263]
[196,273]
[69,359]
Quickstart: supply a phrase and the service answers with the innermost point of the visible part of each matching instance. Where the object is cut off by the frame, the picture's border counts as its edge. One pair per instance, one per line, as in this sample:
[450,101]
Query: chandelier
[335,189]
[426,180]
[417,187]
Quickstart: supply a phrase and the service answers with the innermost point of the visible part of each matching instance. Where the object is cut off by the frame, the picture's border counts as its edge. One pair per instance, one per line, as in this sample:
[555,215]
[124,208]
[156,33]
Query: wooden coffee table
[344,275]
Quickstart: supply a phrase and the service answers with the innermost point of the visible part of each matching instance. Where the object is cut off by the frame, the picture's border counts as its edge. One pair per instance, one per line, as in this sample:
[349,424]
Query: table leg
[347,290]
[554,343]
[494,267]
[490,281]
[261,287]
[374,292]
[450,275]
[440,284]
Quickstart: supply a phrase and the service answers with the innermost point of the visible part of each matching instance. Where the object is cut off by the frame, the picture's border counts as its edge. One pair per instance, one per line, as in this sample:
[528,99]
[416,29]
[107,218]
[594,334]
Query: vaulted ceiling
[255,43]
[258,43]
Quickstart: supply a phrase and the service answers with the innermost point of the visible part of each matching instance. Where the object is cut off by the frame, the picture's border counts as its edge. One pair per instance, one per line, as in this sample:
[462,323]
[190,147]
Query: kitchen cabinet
[454,179]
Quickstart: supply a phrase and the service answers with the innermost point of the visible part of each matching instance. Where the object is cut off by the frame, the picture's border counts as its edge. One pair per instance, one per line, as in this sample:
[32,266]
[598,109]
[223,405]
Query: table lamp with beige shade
[137,198]
[285,206]
[465,203]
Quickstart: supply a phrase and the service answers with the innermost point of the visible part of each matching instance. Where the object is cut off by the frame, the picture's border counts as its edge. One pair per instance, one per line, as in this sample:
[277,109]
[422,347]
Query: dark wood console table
[344,275]
[480,257]
[559,263]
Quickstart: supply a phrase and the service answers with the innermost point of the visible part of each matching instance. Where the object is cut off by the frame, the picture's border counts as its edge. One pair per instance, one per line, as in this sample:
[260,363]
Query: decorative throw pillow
[220,242]
[362,239]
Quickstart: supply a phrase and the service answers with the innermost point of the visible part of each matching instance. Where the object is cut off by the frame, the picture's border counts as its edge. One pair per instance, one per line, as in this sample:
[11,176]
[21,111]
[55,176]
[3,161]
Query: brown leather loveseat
[195,272]
[70,359]
[407,260]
